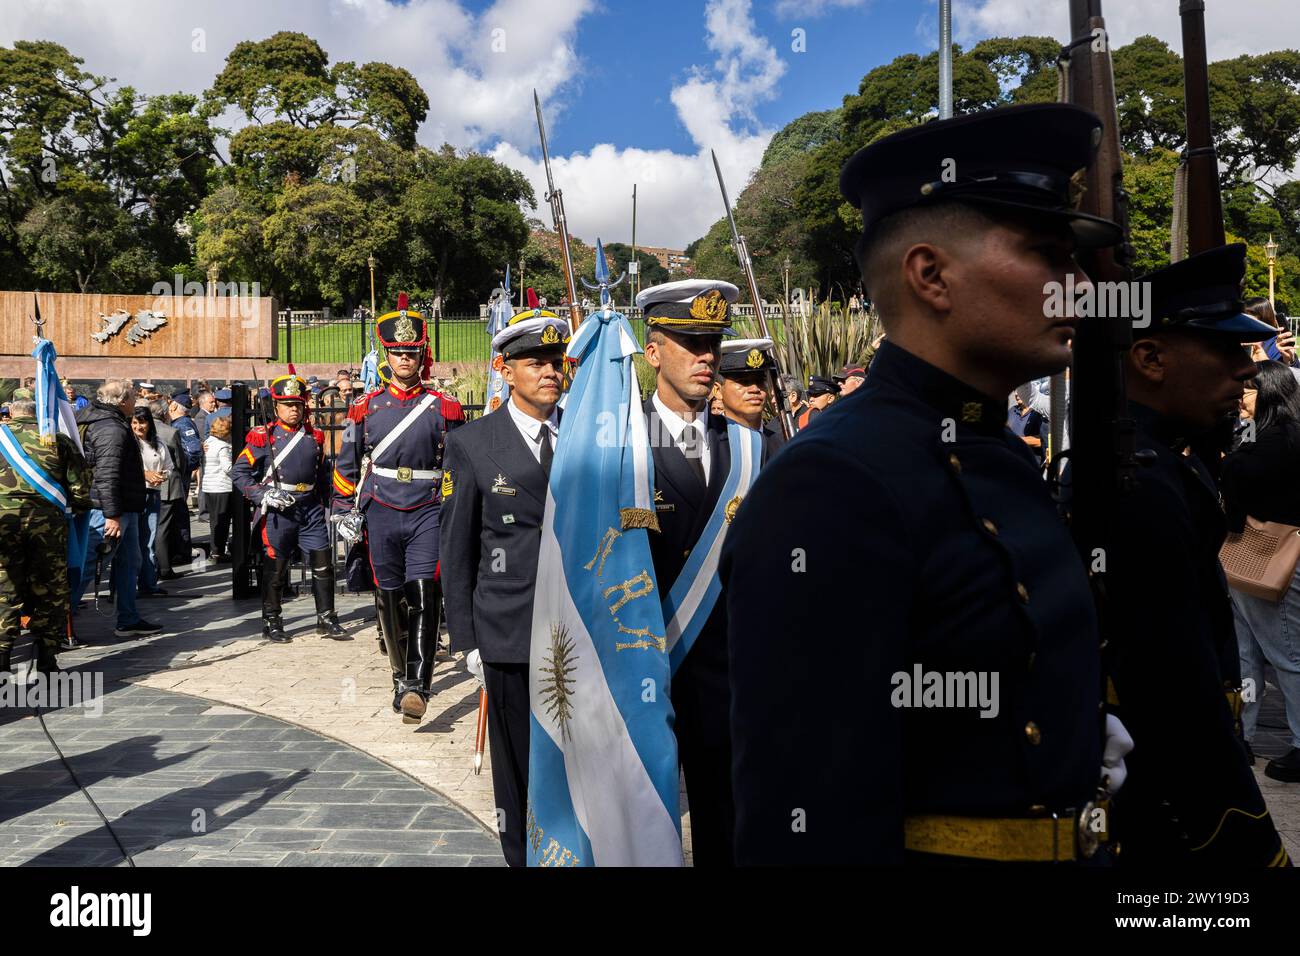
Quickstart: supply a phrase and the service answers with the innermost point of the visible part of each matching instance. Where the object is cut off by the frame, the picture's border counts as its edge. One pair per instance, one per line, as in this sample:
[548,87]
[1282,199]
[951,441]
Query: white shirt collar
[530,427]
[676,424]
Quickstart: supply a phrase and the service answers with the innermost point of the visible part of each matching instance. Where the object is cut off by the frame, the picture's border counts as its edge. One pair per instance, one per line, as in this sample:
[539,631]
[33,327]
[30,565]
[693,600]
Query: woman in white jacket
[218,492]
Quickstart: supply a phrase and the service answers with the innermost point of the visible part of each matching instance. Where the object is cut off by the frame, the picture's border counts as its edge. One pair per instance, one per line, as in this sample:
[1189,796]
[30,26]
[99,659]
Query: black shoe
[159,592]
[46,659]
[221,558]
[172,575]
[140,628]
[327,625]
[273,630]
[1285,768]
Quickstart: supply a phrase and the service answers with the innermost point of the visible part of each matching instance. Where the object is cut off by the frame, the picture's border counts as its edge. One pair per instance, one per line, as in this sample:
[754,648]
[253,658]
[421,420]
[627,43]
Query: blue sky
[634,90]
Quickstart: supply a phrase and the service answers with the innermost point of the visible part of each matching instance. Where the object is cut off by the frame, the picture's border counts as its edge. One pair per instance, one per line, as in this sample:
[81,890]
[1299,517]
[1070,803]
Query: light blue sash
[696,590]
[34,474]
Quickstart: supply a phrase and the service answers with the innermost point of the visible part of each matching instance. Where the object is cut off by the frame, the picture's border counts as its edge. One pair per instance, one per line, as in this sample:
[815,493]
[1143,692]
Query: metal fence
[318,336]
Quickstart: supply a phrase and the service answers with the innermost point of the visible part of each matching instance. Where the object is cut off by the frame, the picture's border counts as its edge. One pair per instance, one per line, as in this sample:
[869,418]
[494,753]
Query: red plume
[402,301]
[291,369]
[532,298]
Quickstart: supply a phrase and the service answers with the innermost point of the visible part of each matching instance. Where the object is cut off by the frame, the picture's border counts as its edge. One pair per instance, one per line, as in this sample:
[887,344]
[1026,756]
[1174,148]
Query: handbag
[1261,559]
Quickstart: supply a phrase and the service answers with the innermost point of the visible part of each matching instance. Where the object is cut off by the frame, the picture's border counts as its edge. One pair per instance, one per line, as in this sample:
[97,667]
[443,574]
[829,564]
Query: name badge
[507,519]
[499,486]
[503,491]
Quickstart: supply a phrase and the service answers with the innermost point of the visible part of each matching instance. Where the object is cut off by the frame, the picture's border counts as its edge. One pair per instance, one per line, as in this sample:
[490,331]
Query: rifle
[556,199]
[480,738]
[747,264]
[1204,203]
[1103,458]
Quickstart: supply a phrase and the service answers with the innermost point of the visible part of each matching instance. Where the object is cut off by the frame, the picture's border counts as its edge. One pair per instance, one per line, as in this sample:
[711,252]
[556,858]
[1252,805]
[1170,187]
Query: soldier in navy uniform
[494,499]
[282,471]
[861,731]
[745,385]
[394,450]
[685,323]
[1172,652]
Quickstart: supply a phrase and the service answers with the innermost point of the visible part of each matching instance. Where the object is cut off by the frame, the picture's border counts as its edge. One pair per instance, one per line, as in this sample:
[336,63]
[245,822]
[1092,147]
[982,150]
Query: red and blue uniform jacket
[304,467]
[419,448]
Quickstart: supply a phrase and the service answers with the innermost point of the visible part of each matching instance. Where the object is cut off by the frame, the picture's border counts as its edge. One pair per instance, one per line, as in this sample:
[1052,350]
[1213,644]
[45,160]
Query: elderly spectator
[205,403]
[217,489]
[117,497]
[172,546]
[1259,479]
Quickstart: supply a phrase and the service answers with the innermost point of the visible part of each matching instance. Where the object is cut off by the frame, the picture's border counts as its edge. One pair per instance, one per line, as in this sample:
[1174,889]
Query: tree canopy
[792,204]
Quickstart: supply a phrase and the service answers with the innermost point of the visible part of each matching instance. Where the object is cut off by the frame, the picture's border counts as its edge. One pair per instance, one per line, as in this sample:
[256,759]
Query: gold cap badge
[292,387]
[754,359]
[550,336]
[711,306]
[404,330]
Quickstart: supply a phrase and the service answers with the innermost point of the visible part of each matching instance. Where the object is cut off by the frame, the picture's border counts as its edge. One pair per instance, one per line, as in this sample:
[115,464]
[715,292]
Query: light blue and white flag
[602,768]
[370,372]
[499,314]
[54,413]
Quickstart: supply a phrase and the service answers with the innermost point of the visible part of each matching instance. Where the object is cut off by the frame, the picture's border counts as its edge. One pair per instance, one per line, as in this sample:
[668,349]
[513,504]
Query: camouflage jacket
[61,461]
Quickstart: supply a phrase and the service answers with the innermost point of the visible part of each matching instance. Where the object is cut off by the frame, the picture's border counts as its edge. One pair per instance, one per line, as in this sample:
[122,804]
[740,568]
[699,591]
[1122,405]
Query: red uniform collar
[287,428]
[402,393]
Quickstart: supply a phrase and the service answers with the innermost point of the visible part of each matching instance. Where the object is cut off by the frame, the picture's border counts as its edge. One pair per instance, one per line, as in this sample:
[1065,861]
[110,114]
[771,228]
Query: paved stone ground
[306,723]
[188,783]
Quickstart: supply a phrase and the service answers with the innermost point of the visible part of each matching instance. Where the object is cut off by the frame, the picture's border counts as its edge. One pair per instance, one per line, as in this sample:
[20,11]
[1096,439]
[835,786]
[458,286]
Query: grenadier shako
[282,471]
[390,470]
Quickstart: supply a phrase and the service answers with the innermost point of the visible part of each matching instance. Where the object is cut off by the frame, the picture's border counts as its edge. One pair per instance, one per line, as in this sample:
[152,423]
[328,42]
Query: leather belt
[1057,838]
[408,474]
[301,487]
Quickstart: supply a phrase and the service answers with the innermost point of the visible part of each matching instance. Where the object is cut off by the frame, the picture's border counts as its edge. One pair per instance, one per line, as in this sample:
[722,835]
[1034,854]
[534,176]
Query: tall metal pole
[636,269]
[945,59]
[370,261]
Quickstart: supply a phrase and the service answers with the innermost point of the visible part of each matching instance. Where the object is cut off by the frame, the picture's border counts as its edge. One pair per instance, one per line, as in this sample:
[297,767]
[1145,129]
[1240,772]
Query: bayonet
[738,243]
[556,200]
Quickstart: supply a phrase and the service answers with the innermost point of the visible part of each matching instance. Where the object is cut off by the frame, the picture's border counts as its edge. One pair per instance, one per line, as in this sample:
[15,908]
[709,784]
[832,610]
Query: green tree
[619,255]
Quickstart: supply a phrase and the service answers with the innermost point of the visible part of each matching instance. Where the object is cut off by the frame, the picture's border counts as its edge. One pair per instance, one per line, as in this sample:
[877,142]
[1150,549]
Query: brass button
[686,553]
[955,463]
[1033,733]
[989,526]
[1022,592]
[1038,809]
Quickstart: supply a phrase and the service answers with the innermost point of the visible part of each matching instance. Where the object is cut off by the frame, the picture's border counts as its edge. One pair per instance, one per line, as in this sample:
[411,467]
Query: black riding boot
[46,656]
[275,572]
[422,642]
[392,616]
[322,587]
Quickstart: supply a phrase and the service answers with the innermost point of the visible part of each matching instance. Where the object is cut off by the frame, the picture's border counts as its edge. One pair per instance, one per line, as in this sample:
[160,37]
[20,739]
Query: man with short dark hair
[493,502]
[696,456]
[1171,650]
[172,540]
[959,564]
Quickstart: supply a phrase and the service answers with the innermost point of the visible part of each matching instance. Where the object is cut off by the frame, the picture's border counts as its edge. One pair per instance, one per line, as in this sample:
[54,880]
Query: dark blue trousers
[302,526]
[403,544]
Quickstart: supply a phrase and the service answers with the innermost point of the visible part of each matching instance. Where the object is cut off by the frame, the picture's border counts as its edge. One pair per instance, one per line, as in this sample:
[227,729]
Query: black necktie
[693,448]
[547,451]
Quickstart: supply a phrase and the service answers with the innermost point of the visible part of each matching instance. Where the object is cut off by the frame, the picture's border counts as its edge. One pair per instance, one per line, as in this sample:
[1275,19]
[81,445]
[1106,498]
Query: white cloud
[480,95]
[1231,28]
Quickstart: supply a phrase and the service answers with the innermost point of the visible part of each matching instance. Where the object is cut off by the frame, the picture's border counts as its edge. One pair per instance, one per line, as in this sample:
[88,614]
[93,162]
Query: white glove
[474,664]
[277,499]
[1118,743]
[350,526]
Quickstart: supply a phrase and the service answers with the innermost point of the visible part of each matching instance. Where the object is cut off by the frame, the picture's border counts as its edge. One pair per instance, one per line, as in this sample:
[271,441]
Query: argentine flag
[498,318]
[602,766]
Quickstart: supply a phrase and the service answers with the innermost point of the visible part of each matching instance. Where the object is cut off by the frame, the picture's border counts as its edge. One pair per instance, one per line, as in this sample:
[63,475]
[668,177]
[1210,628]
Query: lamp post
[522,301]
[786,266]
[370,261]
[1270,250]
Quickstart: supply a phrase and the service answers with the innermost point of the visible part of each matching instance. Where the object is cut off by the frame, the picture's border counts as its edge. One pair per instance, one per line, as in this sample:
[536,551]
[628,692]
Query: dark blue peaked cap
[1202,293]
[1022,160]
